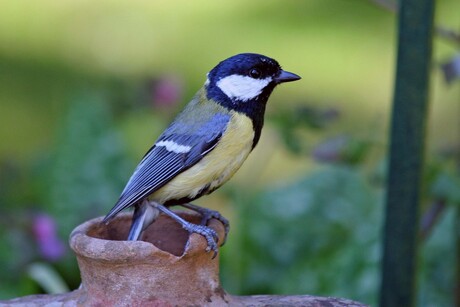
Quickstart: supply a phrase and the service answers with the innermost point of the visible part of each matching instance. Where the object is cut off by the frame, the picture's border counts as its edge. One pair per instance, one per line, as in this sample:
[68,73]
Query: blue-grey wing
[174,152]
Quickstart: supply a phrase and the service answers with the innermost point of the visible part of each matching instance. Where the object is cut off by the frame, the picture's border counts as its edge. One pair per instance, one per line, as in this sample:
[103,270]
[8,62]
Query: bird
[204,145]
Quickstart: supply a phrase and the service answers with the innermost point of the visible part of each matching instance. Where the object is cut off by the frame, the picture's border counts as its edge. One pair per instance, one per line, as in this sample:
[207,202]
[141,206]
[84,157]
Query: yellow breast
[216,167]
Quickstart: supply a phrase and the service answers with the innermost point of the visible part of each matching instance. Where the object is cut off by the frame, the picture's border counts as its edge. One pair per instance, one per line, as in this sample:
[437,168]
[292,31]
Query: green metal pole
[406,154]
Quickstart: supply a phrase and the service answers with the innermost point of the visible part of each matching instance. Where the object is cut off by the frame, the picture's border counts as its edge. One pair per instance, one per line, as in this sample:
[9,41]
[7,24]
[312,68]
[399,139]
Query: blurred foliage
[82,174]
[89,163]
[85,88]
[311,236]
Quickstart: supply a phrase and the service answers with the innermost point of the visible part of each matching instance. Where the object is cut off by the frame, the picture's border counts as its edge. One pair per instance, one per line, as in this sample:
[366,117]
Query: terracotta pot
[170,268]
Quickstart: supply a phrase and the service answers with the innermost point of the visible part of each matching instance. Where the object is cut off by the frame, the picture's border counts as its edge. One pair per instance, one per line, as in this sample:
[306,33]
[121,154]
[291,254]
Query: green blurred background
[86,87]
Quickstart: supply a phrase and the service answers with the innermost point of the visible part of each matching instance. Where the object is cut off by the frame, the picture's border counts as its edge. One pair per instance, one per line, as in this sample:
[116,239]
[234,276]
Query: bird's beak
[286,76]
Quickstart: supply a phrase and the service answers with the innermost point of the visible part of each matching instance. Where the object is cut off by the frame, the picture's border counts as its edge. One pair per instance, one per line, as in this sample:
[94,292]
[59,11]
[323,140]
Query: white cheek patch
[174,147]
[242,88]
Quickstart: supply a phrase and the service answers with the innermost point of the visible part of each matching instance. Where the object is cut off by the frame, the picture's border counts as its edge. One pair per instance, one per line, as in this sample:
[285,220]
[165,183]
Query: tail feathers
[114,211]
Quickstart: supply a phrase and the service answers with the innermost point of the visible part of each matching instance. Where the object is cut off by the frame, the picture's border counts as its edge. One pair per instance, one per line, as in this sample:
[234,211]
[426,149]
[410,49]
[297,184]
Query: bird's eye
[254,73]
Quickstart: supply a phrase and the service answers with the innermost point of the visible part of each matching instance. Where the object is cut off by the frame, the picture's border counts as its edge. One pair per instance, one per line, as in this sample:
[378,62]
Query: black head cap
[246,77]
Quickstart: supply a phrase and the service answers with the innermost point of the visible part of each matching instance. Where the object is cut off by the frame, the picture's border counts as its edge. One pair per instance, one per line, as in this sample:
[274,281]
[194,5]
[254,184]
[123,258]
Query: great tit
[204,146]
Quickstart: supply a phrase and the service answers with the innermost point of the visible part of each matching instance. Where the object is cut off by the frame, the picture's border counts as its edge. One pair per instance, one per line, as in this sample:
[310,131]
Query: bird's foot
[208,233]
[207,215]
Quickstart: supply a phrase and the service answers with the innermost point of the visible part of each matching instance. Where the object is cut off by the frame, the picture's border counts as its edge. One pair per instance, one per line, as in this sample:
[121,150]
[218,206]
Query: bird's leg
[144,215]
[207,214]
[209,233]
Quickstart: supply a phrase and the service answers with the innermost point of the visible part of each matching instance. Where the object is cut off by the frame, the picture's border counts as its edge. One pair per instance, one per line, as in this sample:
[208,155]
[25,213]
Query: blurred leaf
[290,121]
[312,117]
[342,149]
[306,116]
[291,140]
[47,277]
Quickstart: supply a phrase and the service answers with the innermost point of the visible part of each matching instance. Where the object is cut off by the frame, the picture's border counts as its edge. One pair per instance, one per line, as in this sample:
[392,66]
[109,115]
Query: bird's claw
[207,215]
[208,233]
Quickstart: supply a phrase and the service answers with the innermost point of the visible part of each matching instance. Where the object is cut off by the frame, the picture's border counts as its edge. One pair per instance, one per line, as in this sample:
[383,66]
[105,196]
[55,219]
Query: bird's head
[245,80]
